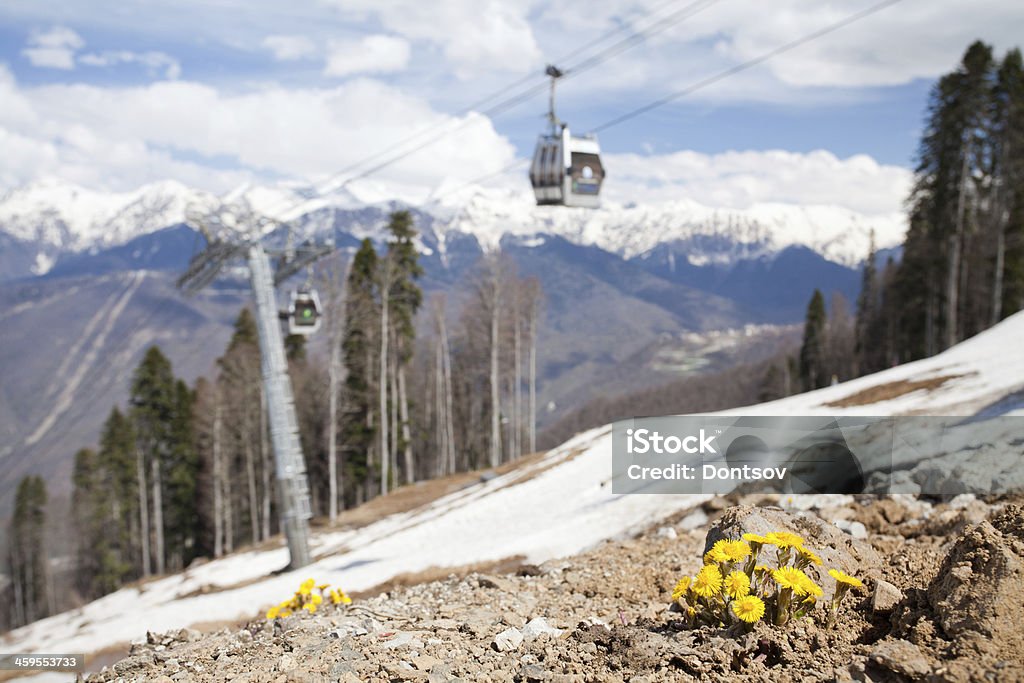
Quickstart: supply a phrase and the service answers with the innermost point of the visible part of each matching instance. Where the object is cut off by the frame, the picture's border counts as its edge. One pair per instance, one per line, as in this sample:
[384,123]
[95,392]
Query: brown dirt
[886,392]
[508,565]
[959,566]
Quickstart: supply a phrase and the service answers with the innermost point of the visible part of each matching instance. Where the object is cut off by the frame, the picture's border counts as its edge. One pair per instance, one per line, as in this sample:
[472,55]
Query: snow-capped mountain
[68,217]
[55,217]
[710,235]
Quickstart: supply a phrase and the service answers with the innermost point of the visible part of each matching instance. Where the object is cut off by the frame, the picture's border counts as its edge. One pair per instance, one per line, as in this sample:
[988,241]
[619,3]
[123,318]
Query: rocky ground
[943,601]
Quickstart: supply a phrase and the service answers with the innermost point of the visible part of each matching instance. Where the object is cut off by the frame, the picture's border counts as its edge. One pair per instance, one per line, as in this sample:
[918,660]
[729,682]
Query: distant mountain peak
[58,215]
[708,234]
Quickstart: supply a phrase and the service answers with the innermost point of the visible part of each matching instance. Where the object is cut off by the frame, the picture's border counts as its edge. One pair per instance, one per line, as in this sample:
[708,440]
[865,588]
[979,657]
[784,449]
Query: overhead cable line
[704,83]
[494,95]
[749,64]
[338,181]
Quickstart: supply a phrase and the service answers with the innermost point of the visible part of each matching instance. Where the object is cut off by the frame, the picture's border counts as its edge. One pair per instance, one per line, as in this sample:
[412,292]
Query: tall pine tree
[359,349]
[405,298]
[813,373]
[161,413]
[1008,200]
[26,553]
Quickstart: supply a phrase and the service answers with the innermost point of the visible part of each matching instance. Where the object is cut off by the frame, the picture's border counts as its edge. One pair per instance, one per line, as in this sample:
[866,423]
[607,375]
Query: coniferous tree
[295,348]
[1008,187]
[87,518]
[867,312]
[163,438]
[359,347]
[118,480]
[26,552]
[405,298]
[104,510]
[182,472]
[813,371]
[946,187]
[962,267]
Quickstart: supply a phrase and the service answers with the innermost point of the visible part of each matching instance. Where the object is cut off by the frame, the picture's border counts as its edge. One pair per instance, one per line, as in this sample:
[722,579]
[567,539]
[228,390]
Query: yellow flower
[842,577]
[316,599]
[809,556]
[737,584]
[680,590]
[811,588]
[717,553]
[756,538]
[791,578]
[736,550]
[749,608]
[338,597]
[310,607]
[784,539]
[708,581]
[307,587]
[763,568]
[323,586]
[273,612]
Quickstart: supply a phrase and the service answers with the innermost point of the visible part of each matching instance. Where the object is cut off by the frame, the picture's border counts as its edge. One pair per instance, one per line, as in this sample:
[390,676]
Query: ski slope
[980,375]
[557,506]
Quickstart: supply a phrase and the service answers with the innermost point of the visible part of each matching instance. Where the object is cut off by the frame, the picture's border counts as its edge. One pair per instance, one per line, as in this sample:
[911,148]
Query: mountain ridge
[56,217]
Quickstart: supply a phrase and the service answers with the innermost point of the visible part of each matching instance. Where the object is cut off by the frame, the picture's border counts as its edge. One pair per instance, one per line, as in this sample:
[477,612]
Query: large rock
[837,549]
[885,597]
[901,657]
[976,594]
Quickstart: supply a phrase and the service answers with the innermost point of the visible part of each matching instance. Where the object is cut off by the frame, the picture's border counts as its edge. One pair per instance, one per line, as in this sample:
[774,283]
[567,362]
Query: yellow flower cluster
[733,586]
[309,597]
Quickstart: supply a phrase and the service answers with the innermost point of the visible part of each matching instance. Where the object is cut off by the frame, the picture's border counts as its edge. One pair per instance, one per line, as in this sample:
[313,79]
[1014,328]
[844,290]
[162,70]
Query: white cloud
[475,36]
[118,138]
[741,179]
[372,54]
[903,42]
[287,48]
[54,48]
[154,61]
[872,52]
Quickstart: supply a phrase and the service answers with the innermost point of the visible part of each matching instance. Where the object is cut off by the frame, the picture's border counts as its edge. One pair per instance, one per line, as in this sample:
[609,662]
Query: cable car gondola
[566,170]
[304,312]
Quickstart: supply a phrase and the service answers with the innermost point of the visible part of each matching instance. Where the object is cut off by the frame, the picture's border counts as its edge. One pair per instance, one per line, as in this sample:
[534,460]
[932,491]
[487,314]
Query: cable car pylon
[566,170]
[234,232]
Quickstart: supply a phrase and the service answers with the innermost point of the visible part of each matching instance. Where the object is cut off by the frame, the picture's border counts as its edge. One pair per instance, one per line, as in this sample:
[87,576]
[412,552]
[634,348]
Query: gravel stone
[507,640]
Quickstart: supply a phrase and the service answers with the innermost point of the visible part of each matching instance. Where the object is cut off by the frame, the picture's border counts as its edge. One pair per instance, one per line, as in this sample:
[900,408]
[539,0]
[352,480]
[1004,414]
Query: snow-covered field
[565,507]
[980,373]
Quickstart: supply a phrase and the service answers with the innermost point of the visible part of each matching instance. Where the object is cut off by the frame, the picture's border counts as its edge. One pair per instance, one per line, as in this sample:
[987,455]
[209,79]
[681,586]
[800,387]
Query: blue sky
[114,94]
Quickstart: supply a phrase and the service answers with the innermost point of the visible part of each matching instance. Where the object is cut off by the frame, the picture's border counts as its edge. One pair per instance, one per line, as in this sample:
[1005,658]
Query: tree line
[962,264]
[962,268]
[183,472]
[959,270]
